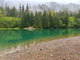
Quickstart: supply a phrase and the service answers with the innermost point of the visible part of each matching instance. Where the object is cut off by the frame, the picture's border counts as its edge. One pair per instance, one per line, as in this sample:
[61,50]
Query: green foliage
[64,18]
[77,22]
[1,14]
[12,18]
[9,22]
[71,22]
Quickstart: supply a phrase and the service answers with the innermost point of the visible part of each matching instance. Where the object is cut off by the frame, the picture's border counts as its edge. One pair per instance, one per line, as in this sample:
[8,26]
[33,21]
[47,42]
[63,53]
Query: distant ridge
[2,2]
[56,7]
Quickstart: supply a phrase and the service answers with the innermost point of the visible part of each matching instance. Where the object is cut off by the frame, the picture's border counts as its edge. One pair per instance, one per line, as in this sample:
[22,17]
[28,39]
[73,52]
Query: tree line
[22,18]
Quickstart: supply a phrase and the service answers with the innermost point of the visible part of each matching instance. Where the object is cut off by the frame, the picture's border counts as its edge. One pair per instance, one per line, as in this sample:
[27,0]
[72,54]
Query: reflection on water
[17,39]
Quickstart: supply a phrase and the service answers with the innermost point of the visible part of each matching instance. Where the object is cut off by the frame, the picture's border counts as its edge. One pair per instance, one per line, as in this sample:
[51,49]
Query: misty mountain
[2,2]
[56,7]
[61,7]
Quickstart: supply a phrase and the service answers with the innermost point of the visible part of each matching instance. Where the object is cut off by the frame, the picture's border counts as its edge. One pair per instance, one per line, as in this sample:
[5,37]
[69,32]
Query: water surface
[11,39]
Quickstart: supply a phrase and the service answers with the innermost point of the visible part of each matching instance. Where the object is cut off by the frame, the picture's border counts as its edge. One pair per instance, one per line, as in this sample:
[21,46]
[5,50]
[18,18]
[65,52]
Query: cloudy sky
[58,1]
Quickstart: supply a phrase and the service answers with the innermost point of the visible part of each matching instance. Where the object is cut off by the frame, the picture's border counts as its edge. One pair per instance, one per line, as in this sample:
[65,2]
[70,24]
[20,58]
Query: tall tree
[31,19]
[13,12]
[51,18]
[39,20]
[27,8]
[22,9]
[7,10]
[46,22]
[35,21]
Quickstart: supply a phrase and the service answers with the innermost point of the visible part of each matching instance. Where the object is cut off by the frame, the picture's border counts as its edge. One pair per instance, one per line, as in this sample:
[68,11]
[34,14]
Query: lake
[16,39]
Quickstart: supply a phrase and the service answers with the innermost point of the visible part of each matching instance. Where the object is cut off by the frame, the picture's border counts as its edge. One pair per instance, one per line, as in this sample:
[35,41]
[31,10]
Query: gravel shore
[60,49]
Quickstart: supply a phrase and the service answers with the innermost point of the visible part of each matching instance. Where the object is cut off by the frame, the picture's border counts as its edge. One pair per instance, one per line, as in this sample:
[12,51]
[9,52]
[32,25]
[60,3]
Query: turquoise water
[12,38]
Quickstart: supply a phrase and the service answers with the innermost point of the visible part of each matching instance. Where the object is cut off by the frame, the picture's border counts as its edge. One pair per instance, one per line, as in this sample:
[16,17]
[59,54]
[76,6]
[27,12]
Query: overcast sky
[58,1]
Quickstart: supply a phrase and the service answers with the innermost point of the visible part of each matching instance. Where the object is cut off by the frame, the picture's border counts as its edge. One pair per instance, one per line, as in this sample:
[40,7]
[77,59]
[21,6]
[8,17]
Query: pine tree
[39,20]
[31,19]
[46,22]
[51,18]
[20,10]
[27,8]
[13,12]
[35,21]
[7,10]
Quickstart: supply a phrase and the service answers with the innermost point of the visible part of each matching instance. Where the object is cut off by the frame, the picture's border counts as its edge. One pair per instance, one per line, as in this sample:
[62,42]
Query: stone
[51,55]
[41,48]
[65,59]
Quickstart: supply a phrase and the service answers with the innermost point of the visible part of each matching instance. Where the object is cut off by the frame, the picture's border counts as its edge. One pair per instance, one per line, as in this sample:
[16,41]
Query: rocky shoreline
[59,49]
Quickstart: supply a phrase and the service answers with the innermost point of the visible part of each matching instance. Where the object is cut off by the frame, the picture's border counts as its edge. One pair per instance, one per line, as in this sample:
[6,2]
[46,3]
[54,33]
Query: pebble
[65,59]
[51,55]
[7,54]
[17,51]
[41,48]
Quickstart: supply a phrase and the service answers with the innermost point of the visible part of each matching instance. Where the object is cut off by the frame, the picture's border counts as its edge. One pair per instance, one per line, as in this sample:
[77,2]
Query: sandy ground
[61,49]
